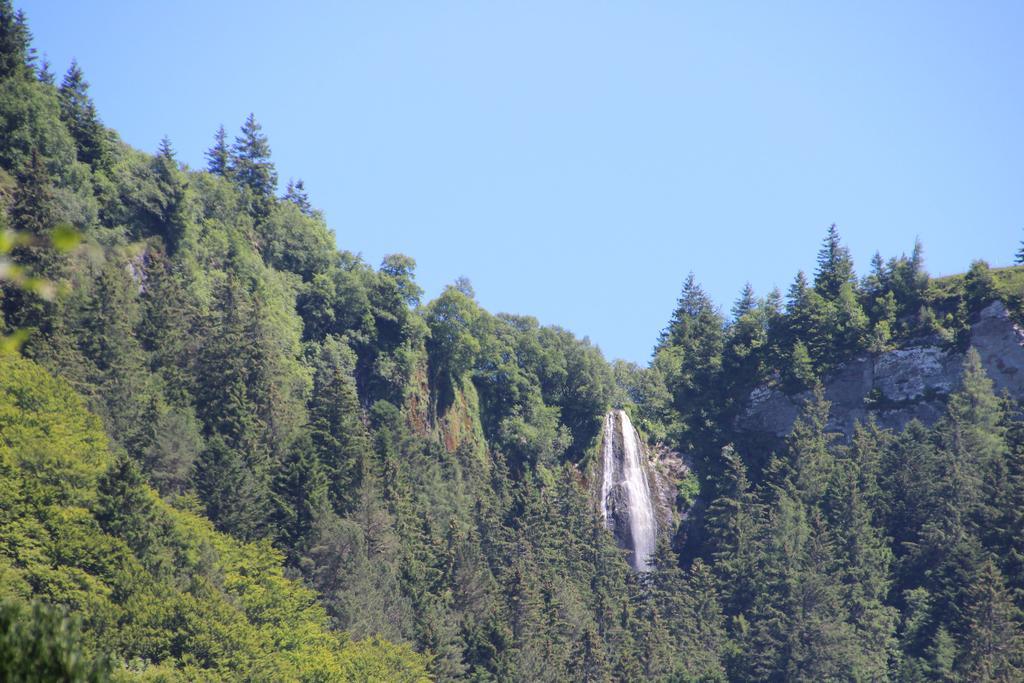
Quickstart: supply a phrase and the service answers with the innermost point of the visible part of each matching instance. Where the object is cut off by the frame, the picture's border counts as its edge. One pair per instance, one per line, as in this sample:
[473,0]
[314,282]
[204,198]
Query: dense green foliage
[230,451]
[155,587]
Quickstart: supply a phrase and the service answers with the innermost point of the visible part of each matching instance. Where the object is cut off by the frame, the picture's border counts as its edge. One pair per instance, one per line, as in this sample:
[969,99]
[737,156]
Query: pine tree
[78,112]
[591,664]
[124,508]
[1019,256]
[297,195]
[169,206]
[218,156]
[732,531]
[45,75]
[15,43]
[865,562]
[300,498]
[1006,537]
[808,465]
[942,657]
[251,168]
[33,214]
[851,324]
[689,353]
[745,303]
[165,150]
[339,436]
[230,399]
[968,440]
[993,648]
[110,316]
[703,637]
[973,431]
[835,266]
[169,328]
[877,280]
[234,495]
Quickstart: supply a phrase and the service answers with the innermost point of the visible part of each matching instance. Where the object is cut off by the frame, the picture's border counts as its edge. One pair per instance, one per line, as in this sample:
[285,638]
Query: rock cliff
[898,386]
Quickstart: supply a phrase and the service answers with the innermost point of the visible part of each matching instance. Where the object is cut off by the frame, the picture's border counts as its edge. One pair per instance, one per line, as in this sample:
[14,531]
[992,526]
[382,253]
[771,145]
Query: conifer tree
[591,662]
[689,353]
[300,497]
[251,168]
[994,643]
[165,150]
[941,661]
[45,75]
[865,562]
[15,43]
[835,266]
[807,468]
[124,507]
[1007,496]
[337,431]
[877,280]
[745,303]
[703,637]
[234,495]
[33,214]
[732,533]
[110,316]
[169,328]
[78,112]
[948,553]
[230,398]
[219,157]
[297,195]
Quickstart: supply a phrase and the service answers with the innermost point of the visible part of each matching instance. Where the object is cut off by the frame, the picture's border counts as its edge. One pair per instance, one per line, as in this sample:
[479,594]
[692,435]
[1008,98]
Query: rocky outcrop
[898,386]
[669,468]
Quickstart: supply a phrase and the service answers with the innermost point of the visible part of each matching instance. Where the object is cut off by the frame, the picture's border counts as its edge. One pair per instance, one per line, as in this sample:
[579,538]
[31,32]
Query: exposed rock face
[901,385]
[669,469]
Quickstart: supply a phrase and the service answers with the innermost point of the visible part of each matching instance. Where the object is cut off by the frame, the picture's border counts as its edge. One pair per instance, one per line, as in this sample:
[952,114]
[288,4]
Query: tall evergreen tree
[78,112]
[297,195]
[994,643]
[689,353]
[45,75]
[732,530]
[219,156]
[251,167]
[235,495]
[835,266]
[745,303]
[15,43]
[111,315]
[300,498]
[165,150]
[124,507]
[339,435]
[34,213]
[865,562]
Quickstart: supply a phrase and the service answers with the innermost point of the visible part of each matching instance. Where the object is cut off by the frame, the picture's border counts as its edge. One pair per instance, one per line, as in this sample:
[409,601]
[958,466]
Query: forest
[231,451]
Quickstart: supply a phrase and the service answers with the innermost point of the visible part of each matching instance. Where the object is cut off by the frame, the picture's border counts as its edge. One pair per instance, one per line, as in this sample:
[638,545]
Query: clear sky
[575,159]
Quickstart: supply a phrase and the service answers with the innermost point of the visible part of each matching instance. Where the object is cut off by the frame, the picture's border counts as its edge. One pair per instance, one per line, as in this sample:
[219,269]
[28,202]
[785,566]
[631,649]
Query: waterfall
[625,492]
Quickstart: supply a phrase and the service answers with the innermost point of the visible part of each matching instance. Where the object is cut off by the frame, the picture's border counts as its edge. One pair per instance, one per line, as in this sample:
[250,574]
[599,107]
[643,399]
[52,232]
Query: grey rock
[1000,343]
[898,386]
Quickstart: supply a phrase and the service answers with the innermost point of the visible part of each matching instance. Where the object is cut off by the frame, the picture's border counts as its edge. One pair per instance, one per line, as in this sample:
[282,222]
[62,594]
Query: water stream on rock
[625,492]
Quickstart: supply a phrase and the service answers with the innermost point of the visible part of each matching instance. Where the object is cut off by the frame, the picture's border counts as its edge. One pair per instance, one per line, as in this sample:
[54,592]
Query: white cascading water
[625,481]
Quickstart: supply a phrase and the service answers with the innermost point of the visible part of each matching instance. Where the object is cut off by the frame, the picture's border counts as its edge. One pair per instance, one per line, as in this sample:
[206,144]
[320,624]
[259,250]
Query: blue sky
[575,160]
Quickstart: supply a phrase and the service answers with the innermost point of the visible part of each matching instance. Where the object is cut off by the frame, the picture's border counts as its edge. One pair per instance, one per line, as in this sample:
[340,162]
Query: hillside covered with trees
[230,451]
